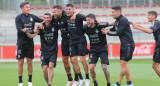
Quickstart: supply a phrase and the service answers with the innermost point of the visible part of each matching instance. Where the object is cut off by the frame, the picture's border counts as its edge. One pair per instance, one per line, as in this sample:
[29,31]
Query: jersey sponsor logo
[52,29]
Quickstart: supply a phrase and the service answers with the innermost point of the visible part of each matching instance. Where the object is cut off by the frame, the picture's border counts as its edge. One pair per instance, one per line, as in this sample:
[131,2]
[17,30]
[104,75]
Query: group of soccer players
[74,43]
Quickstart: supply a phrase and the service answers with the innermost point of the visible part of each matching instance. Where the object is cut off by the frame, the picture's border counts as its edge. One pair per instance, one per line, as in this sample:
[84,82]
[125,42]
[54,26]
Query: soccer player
[98,47]
[49,48]
[60,20]
[155,29]
[77,44]
[122,29]
[25,45]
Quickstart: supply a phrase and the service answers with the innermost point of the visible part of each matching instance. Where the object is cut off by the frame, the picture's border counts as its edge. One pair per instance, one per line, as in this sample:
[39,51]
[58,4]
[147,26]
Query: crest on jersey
[97,31]
[61,22]
[31,19]
[52,29]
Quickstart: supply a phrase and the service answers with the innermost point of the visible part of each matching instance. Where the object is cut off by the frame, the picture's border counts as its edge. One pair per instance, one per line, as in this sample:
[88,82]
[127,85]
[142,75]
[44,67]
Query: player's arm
[121,28]
[74,15]
[19,25]
[36,32]
[144,29]
[37,19]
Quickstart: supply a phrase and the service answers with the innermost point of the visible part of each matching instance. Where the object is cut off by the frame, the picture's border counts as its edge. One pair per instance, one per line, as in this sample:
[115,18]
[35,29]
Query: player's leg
[93,73]
[20,71]
[93,58]
[156,61]
[156,68]
[20,57]
[104,62]
[82,52]
[50,73]
[30,57]
[45,72]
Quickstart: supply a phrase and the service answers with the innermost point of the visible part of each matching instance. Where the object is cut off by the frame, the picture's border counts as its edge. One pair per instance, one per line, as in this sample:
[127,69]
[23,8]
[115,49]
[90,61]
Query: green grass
[141,70]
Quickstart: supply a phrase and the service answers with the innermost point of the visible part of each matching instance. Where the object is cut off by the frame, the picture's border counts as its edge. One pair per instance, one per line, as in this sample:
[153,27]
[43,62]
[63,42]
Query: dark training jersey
[22,21]
[122,29]
[97,39]
[63,26]
[156,32]
[75,27]
[49,39]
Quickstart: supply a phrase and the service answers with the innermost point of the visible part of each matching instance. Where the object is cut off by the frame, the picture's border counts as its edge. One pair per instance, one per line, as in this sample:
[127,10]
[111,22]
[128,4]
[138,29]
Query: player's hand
[36,31]
[41,27]
[99,22]
[74,15]
[25,30]
[135,26]
[130,22]
[105,31]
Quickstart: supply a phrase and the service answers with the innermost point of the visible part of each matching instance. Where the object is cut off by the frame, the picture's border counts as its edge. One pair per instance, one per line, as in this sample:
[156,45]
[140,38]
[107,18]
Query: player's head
[152,15]
[69,9]
[116,11]
[25,7]
[57,11]
[90,19]
[47,18]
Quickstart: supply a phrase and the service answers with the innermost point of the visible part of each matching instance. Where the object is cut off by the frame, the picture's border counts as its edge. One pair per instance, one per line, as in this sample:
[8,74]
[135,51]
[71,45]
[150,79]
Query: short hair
[57,6]
[48,14]
[117,8]
[153,13]
[91,16]
[23,4]
[70,5]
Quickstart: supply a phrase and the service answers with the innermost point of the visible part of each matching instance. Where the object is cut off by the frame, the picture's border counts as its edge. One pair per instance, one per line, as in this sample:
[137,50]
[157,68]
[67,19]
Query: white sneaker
[30,84]
[81,82]
[20,84]
[87,82]
[75,83]
[69,83]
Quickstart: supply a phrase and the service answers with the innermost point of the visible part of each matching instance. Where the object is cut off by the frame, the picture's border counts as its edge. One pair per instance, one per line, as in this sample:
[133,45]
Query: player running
[98,47]
[122,29]
[25,45]
[155,29]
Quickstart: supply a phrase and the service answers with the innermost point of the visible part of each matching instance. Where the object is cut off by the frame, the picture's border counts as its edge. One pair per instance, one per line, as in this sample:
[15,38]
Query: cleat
[20,84]
[30,84]
[81,82]
[75,83]
[130,84]
[69,83]
[87,82]
[116,85]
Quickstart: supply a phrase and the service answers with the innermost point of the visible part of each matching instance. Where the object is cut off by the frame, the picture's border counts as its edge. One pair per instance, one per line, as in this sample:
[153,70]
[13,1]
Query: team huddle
[74,44]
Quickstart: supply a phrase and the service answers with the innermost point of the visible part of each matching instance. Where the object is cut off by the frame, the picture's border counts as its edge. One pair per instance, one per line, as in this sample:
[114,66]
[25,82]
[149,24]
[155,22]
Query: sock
[87,76]
[119,84]
[76,77]
[30,78]
[69,77]
[80,76]
[108,84]
[95,83]
[128,82]
[20,79]
[49,85]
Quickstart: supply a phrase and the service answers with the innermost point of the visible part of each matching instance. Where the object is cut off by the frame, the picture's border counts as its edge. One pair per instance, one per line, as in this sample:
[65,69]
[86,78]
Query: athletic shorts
[126,52]
[156,55]
[94,56]
[65,47]
[25,50]
[78,49]
[47,57]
